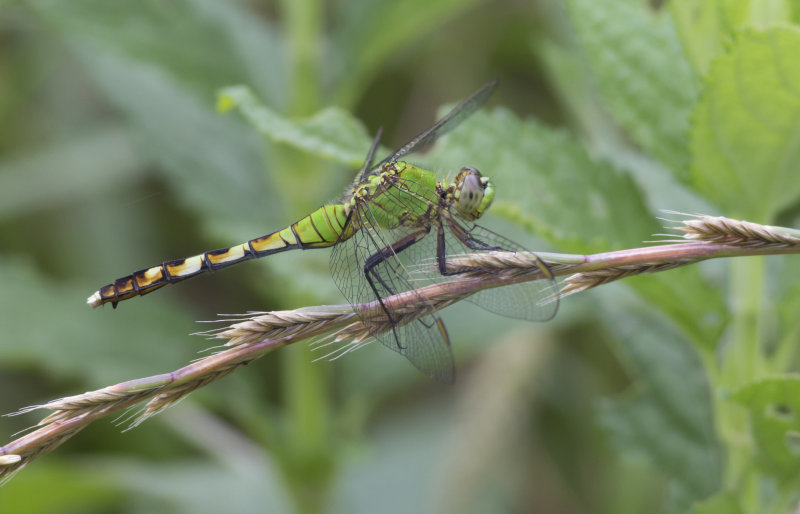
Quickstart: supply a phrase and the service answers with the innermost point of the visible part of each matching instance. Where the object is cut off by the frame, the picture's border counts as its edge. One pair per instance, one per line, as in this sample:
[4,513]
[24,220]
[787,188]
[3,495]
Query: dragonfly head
[473,193]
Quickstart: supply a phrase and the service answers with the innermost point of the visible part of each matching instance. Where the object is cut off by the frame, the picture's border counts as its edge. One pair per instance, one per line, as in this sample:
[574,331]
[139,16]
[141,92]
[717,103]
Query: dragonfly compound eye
[471,194]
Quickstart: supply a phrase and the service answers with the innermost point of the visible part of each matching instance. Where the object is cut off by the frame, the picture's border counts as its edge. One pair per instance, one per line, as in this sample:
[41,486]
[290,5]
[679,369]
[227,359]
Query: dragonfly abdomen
[320,229]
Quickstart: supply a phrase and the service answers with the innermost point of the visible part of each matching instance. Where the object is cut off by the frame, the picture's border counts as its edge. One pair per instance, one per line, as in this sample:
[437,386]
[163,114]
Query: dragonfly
[393,216]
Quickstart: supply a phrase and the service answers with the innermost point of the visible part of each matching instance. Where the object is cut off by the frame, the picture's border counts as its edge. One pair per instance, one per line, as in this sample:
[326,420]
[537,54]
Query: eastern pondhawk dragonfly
[393,217]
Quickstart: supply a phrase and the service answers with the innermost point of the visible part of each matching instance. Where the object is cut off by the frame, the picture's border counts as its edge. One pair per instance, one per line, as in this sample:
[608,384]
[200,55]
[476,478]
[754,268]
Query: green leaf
[666,420]
[641,72]
[774,405]
[547,182]
[722,503]
[763,14]
[331,133]
[706,26]
[745,137]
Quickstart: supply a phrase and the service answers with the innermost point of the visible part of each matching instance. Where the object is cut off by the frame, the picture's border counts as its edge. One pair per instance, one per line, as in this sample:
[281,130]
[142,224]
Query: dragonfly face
[473,193]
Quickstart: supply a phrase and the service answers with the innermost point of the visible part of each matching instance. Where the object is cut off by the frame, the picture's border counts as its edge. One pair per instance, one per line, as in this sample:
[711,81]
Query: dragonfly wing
[367,167]
[535,300]
[426,345]
[363,278]
[450,121]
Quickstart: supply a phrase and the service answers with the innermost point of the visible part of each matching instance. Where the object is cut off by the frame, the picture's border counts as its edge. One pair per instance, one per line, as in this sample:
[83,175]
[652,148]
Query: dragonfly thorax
[472,193]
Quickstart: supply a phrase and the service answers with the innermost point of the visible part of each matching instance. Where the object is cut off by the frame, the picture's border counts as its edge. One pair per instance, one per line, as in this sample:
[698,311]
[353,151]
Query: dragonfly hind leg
[373,276]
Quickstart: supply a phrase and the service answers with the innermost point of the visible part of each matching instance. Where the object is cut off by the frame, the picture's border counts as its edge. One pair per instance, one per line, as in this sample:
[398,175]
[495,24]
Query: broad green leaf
[722,503]
[774,405]
[765,13]
[641,72]
[705,25]
[34,180]
[548,183]
[331,133]
[666,420]
[745,138]
[574,82]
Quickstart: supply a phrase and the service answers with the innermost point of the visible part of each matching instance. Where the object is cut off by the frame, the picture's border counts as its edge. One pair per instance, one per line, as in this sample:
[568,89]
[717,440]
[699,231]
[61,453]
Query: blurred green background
[668,392]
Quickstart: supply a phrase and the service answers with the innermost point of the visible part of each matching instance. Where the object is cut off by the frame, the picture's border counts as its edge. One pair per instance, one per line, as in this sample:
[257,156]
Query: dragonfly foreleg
[372,275]
[469,241]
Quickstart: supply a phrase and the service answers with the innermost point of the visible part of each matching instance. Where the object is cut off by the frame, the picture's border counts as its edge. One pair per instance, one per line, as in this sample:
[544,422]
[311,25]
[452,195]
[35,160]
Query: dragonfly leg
[474,243]
[469,241]
[382,255]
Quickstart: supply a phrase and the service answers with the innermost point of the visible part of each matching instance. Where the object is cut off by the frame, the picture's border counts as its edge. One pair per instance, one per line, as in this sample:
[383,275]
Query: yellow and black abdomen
[322,228]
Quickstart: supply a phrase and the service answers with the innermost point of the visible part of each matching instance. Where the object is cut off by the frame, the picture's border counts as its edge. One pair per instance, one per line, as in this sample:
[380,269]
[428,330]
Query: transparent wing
[451,120]
[367,166]
[373,264]
[536,300]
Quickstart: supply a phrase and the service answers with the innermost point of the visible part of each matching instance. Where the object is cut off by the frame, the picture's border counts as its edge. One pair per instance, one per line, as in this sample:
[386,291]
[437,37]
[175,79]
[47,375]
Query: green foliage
[745,127]
[541,165]
[115,346]
[656,424]
[67,491]
[114,156]
[331,133]
[774,403]
[637,61]
[723,503]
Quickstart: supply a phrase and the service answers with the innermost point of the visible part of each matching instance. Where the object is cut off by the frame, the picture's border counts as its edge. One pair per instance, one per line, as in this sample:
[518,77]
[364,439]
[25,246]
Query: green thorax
[405,195]
[400,195]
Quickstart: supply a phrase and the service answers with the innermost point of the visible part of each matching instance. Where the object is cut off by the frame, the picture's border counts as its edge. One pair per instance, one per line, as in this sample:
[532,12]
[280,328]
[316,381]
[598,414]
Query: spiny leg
[469,242]
[381,256]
